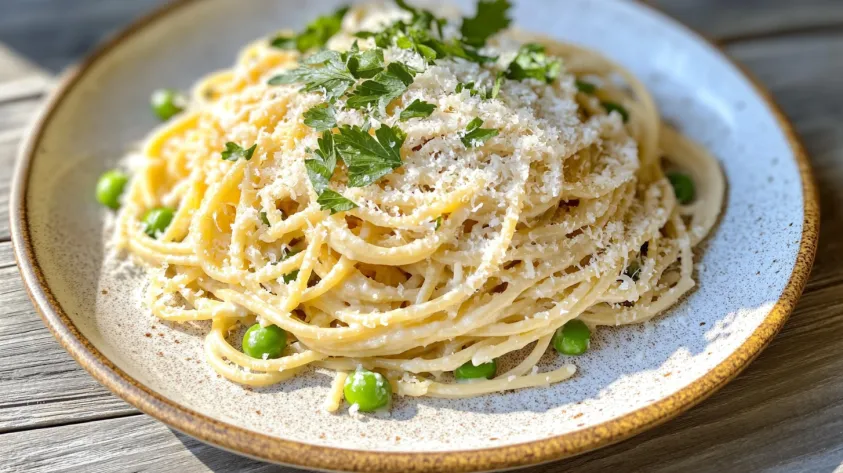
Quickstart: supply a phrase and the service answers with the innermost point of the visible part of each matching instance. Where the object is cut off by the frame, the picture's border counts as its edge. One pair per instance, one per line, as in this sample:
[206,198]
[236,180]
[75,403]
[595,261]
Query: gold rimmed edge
[275,449]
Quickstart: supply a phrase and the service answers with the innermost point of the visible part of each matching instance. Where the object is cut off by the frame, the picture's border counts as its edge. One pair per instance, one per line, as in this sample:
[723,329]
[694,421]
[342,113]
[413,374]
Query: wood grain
[733,20]
[41,384]
[785,413]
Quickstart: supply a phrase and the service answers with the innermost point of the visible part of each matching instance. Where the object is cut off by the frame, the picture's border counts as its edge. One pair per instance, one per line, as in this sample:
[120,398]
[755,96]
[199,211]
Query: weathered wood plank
[14,68]
[784,414]
[14,118]
[730,20]
[40,383]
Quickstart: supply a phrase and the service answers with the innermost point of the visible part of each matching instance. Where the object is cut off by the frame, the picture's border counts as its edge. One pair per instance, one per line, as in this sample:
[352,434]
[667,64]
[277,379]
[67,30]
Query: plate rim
[304,455]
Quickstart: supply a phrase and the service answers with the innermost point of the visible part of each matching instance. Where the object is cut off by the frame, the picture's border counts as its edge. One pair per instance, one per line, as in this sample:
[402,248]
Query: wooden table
[784,413]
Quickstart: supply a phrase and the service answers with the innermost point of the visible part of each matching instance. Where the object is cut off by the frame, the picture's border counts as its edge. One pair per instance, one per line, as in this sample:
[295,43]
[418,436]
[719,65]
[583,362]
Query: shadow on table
[219,460]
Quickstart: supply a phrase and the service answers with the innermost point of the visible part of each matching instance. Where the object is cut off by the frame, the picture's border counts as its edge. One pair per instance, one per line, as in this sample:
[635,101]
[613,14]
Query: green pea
[483,370]
[633,270]
[264,342]
[369,390]
[156,220]
[615,107]
[572,338]
[683,187]
[166,103]
[109,188]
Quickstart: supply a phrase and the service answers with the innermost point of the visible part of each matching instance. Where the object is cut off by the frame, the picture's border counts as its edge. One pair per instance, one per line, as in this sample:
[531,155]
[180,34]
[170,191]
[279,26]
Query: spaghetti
[465,252]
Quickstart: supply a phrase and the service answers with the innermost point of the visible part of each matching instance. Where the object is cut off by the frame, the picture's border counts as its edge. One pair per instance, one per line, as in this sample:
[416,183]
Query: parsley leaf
[321,117]
[469,86]
[324,71]
[315,35]
[321,167]
[334,201]
[367,158]
[264,218]
[456,48]
[233,152]
[291,276]
[418,34]
[438,223]
[402,4]
[532,63]
[586,87]
[383,88]
[490,18]
[417,109]
[497,87]
[615,107]
[367,64]
[474,135]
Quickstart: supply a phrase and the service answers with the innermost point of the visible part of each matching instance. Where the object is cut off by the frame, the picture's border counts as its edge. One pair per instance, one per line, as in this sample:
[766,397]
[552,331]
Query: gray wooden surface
[785,413]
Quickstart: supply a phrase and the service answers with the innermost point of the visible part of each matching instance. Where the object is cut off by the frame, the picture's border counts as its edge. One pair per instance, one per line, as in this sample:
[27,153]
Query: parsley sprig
[491,17]
[321,117]
[532,63]
[383,88]
[367,157]
[316,34]
[417,109]
[423,34]
[475,136]
[325,71]
[335,202]
[233,152]
[320,169]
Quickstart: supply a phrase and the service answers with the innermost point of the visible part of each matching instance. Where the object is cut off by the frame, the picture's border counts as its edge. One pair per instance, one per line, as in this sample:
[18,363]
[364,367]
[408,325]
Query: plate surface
[752,270]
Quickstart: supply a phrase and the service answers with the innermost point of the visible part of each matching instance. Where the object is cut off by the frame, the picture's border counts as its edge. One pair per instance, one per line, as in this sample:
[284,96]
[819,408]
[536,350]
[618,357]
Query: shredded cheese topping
[466,252]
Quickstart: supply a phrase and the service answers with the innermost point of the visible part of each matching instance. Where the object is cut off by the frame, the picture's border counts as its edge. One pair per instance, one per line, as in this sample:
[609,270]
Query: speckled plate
[750,275]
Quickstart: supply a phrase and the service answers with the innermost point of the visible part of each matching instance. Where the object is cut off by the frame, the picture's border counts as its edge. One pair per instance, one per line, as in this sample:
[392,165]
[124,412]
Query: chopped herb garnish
[438,223]
[497,87]
[532,63]
[264,218]
[456,48]
[291,276]
[490,18]
[369,158]
[233,152]
[321,167]
[633,270]
[586,87]
[383,88]
[418,34]
[367,64]
[330,74]
[404,42]
[316,35]
[469,86]
[321,117]
[615,107]
[474,135]
[417,109]
[334,201]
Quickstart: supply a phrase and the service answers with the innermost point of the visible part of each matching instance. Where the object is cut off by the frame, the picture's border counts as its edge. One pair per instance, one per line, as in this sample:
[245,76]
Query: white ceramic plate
[750,274]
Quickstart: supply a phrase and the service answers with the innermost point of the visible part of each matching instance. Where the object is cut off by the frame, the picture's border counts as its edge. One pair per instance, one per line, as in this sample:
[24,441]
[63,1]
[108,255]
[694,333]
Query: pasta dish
[404,201]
